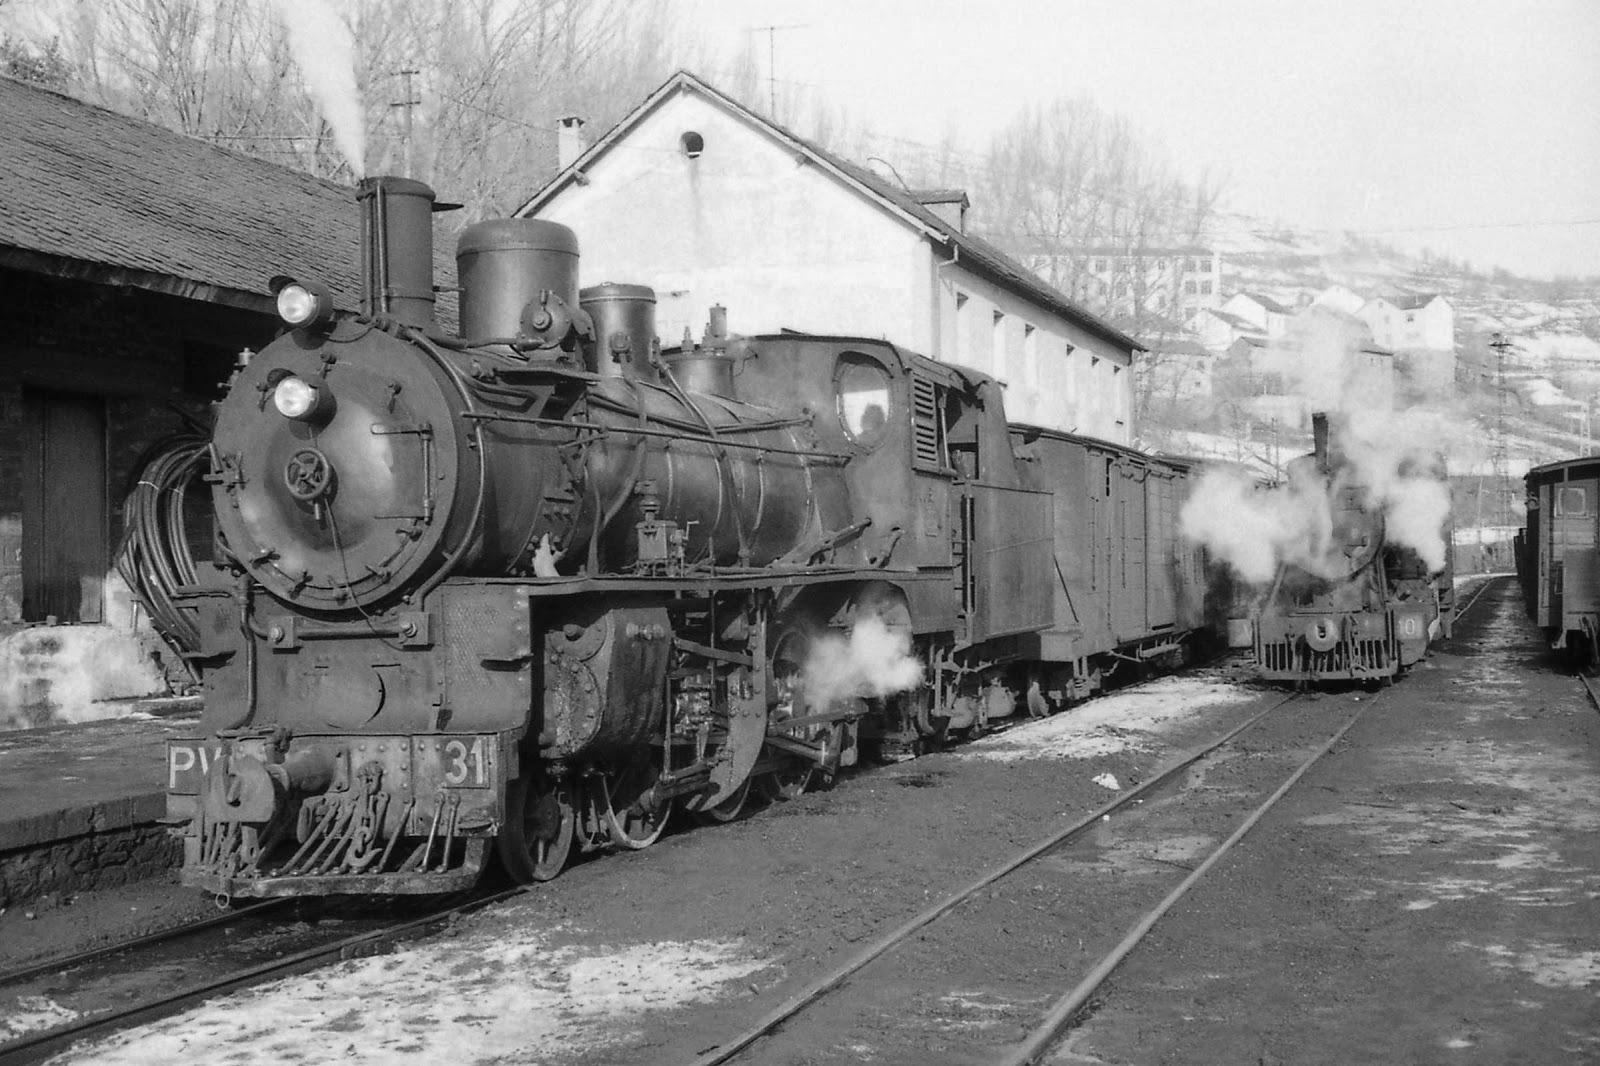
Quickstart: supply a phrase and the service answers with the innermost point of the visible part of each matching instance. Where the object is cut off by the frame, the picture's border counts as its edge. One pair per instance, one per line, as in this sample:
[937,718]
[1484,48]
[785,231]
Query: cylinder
[503,264]
[624,327]
[397,249]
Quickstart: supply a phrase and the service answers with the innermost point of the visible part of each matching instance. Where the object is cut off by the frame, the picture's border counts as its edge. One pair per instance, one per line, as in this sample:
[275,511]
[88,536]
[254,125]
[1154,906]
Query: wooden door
[64,538]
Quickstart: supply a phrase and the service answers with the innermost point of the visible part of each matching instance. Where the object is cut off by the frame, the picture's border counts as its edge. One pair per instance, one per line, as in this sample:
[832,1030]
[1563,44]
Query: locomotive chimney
[397,249]
[1319,437]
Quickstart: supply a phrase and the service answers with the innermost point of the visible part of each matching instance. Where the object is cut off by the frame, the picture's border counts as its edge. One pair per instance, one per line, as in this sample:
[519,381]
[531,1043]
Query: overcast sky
[1475,123]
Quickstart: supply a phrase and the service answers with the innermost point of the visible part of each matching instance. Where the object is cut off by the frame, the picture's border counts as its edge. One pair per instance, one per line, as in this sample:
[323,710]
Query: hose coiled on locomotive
[154,557]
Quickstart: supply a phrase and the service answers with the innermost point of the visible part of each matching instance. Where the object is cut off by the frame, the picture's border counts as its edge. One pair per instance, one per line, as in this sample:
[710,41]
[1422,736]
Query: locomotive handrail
[602,431]
[689,427]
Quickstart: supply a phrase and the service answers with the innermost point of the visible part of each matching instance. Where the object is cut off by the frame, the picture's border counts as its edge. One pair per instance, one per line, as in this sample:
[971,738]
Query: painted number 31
[464,765]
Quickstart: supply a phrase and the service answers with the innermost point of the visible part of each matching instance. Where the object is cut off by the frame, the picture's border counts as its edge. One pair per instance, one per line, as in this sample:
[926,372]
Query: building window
[1205,266]
[1205,288]
[692,144]
[1099,266]
[961,326]
[997,347]
[1189,287]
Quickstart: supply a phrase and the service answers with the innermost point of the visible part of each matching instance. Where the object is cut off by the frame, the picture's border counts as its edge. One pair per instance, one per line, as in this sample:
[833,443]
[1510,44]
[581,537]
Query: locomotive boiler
[1362,606]
[526,588]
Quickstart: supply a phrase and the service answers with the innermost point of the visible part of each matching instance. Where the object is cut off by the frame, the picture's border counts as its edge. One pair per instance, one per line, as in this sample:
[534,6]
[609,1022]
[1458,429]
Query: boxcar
[1557,562]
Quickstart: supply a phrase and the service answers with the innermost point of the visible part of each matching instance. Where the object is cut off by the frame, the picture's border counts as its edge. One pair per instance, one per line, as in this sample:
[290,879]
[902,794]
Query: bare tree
[492,78]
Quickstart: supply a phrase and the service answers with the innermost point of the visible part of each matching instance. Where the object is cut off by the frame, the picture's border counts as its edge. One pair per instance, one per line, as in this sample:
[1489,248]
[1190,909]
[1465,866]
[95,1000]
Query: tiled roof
[1267,302]
[1229,318]
[1413,301]
[128,200]
[976,254]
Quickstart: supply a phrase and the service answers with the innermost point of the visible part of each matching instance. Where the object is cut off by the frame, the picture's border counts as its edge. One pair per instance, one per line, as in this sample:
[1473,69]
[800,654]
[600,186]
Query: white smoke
[1399,461]
[1396,456]
[1254,530]
[873,661]
[325,51]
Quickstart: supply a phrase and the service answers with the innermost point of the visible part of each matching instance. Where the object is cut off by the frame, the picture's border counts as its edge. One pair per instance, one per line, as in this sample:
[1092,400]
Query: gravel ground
[1428,894]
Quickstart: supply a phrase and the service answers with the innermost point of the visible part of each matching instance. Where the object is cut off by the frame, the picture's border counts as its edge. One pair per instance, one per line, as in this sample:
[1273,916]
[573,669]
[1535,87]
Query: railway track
[97,984]
[1057,1015]
[149,977]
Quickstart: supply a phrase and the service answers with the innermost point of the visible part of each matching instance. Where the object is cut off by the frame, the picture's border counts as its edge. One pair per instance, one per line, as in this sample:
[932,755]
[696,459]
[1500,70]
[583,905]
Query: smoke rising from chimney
[325,51]
[1394,456]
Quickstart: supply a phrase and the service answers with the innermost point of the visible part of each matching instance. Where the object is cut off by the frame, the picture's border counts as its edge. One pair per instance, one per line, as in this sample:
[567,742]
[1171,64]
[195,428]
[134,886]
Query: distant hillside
[1551,370]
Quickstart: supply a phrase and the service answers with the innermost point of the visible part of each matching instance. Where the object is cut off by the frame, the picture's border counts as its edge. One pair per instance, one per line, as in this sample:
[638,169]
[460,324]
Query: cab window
[1572,501]
[862,386]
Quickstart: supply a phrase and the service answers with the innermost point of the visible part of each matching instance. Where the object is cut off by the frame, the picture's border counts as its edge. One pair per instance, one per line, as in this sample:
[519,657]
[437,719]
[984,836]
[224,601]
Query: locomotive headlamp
[302,303]
[294,398]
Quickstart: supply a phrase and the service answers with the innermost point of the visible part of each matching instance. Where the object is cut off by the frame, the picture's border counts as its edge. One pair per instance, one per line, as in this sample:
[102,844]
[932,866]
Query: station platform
[80,805]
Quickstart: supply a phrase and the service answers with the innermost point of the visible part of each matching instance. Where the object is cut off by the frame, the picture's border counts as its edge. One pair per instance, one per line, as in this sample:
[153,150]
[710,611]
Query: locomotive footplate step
[87,795]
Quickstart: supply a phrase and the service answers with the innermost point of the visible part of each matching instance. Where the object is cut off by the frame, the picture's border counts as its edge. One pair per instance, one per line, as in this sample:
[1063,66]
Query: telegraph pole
[411,100]
[1501,459]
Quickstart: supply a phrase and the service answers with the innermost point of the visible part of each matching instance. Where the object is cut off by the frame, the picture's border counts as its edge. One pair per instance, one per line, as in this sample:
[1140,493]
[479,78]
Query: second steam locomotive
[1363,606]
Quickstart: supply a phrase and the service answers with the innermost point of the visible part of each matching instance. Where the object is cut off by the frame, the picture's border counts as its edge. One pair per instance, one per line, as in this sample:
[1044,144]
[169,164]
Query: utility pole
[1501,460]
[772,61]
[407,104]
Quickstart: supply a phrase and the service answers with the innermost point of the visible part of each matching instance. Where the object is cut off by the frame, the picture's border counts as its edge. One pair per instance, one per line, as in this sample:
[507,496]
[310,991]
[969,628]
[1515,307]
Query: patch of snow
[34,1013]
[1108,781]
[1551,965]
[1123,721]
[475,998]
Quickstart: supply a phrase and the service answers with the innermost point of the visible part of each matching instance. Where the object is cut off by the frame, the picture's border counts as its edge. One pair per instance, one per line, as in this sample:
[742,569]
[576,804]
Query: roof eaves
[33,262]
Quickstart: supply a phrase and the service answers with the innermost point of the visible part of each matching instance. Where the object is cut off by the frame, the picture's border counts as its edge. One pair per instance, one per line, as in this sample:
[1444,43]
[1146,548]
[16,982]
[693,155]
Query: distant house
[1218,329]
[135,263]
[1177,368]
[1325,358]
[1341,298]
[1265,313]
[1415,320]
[710,203]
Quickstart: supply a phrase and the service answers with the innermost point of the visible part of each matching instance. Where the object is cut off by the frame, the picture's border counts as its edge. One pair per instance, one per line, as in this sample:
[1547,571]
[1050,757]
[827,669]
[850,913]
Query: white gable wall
[782,243]
[775,241]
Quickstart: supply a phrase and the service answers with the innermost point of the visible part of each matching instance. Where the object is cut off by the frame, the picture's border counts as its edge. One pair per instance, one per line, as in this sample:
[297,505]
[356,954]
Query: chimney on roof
[949,204]
[570,141]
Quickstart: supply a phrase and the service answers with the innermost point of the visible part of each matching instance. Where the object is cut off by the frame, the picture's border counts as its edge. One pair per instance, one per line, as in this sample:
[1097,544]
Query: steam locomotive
[527,589]
[1361,607]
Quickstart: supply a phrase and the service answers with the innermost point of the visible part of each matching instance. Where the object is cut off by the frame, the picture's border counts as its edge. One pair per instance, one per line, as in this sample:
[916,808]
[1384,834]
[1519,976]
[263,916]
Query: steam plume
[325,52]
[874,661]
[1393,455]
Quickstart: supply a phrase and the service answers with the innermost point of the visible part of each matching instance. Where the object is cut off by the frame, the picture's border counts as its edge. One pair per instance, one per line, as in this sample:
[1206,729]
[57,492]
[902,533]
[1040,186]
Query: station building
[710,203]
[135,264]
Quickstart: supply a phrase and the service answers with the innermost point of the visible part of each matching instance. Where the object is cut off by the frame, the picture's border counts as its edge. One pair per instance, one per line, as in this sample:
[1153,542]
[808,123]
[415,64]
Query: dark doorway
[64,550]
